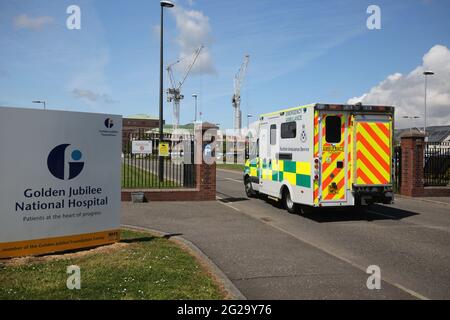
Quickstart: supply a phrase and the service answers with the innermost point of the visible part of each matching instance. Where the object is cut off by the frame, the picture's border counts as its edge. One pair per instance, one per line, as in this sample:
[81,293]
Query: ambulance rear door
[333,148]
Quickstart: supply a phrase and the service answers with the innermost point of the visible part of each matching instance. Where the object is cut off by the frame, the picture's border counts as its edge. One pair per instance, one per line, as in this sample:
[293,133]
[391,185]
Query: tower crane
[174,91]
[236,100]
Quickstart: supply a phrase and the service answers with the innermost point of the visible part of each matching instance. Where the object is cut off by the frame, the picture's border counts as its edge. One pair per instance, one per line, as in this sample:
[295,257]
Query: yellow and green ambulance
[322,155]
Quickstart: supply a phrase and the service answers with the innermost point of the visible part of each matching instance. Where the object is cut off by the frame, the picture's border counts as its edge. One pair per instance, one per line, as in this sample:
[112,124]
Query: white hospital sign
[141,147]
[59,180]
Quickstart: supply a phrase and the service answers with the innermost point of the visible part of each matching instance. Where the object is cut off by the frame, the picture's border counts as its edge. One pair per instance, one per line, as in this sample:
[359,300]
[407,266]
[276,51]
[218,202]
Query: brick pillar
[205,173]
[206,181]
[412,144]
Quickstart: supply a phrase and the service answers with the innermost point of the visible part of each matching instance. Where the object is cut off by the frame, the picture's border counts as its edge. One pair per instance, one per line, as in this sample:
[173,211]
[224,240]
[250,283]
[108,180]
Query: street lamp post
[164,4]
[426,74]
[411,118]
[195,96]
[40,101]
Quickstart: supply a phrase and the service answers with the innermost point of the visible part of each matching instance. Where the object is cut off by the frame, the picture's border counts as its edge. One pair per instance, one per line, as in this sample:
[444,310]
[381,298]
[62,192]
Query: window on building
[333,129]
[288,130]
[273,134]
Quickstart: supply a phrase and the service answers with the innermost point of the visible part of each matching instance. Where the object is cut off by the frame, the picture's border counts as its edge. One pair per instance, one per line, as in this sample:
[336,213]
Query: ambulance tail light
[316,168]
[316,163]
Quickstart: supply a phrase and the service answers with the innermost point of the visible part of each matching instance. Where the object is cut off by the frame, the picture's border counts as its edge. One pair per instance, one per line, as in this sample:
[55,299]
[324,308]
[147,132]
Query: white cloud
[85,94]
[92,96]
[90,73]
[88,80]
[23,21]
[406,92]
[193,30]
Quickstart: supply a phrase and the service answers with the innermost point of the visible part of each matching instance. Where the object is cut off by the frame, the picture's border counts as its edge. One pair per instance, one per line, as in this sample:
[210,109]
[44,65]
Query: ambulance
[322,155]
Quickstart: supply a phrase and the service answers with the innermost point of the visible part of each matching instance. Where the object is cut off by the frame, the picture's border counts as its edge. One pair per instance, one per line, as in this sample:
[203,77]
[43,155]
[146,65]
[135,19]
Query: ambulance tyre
[249,191]
[289,205]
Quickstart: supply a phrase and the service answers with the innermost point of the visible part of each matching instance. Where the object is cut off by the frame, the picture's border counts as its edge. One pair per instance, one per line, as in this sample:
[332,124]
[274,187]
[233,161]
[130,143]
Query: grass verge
[135,178]
[141,266]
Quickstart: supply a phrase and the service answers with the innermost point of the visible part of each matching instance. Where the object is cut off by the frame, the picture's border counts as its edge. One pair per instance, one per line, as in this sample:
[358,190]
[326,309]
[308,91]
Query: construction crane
[174,92]
[236,100]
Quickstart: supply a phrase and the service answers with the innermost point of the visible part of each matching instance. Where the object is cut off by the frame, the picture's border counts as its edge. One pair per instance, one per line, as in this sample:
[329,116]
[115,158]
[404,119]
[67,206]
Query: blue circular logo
[56,163]
[76,155]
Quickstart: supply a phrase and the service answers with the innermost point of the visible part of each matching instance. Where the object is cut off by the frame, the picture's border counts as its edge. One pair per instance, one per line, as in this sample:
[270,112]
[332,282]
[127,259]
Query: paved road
[261,261]
[409,241]
[270,254]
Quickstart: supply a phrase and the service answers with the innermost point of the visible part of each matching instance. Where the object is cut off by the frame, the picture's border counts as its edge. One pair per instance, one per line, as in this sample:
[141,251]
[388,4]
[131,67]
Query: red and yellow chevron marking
[350,151]
[373,153]
[316,154]
[330,173]
[316,134]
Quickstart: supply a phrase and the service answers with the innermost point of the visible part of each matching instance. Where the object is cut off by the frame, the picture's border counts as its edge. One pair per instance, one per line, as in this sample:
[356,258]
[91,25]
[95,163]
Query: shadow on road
[229,199]
[375,213]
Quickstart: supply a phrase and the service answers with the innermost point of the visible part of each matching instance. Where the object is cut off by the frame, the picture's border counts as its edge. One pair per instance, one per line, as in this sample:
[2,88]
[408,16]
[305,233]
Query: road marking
[234,180]
[411,292]
[226,203]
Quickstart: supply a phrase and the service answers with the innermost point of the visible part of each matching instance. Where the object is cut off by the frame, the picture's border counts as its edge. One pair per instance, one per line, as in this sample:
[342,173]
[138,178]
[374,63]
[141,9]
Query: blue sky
[300,52]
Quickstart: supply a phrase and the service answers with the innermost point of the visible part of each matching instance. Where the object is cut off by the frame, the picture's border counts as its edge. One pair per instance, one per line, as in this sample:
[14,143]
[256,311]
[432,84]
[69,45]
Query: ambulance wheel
[290,206]
[249,189]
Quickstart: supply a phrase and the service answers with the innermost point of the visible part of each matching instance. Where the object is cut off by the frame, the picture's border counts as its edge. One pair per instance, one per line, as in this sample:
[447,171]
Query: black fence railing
[140,161]
[437,164]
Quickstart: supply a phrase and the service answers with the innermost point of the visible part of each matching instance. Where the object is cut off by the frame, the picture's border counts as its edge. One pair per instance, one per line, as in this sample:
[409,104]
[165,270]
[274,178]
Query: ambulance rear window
[273,134]
[288,130]
[333,129]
